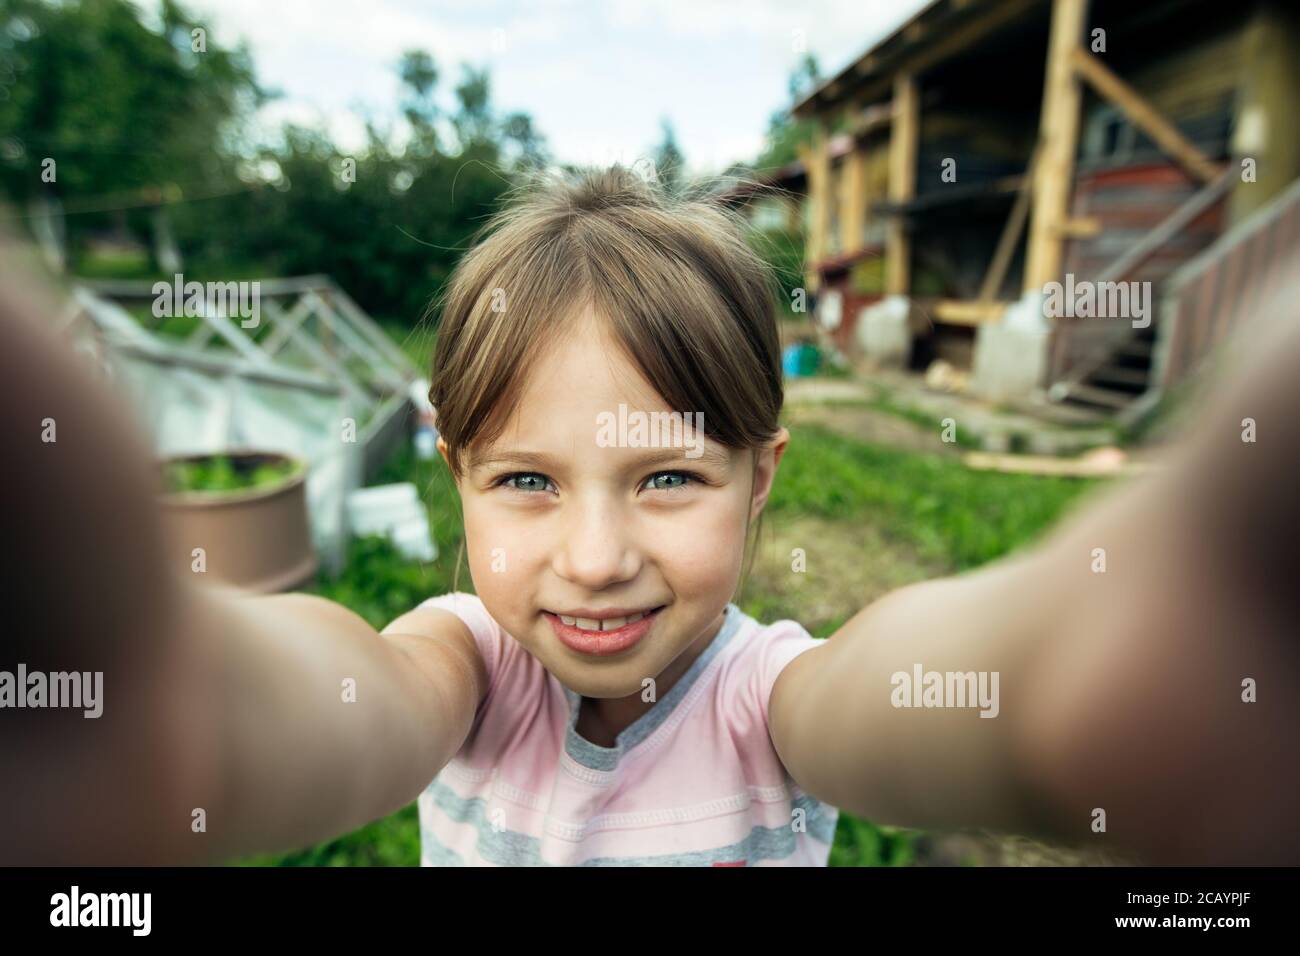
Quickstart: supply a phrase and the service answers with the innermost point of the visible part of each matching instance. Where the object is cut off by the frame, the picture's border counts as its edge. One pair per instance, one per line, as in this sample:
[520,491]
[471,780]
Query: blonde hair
[682,291]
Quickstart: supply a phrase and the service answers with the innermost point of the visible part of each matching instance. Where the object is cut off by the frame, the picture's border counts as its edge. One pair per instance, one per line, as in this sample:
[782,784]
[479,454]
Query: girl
[608,386]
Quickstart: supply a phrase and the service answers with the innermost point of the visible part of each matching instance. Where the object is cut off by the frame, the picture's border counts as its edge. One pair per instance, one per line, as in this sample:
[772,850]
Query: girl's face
[560,524]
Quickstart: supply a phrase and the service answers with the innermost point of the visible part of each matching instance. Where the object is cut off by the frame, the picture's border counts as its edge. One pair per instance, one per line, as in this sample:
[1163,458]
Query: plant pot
[255,538]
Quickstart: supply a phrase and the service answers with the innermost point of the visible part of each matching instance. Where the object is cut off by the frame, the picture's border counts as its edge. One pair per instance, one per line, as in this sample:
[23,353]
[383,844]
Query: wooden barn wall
[1193,81]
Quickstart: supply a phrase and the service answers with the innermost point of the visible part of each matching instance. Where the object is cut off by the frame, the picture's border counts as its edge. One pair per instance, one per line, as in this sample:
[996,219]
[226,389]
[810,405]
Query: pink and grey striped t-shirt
[694,781]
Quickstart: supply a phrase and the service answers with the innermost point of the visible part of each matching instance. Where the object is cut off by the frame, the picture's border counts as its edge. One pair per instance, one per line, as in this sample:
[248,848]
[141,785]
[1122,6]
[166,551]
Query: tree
[669,160]
[419,76]
[529,144]
[104,111]
[135,115]
[784,132]
[473,120]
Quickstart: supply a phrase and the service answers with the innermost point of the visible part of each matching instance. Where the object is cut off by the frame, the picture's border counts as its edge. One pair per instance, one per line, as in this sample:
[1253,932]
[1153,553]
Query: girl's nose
[596,550]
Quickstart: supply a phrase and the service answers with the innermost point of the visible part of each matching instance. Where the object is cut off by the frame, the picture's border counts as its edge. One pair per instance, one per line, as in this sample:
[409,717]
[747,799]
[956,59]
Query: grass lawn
[868,518]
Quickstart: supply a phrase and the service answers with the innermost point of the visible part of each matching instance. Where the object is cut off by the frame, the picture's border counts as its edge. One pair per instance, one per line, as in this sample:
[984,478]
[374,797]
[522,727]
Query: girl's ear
[442,450]
[765,465]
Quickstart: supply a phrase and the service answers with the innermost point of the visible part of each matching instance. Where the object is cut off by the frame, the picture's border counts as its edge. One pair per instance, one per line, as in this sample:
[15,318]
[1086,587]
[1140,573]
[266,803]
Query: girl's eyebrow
[653,456]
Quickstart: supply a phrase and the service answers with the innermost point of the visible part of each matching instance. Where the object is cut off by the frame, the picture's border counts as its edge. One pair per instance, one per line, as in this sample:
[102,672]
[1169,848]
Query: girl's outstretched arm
[223,724]
[1158,697]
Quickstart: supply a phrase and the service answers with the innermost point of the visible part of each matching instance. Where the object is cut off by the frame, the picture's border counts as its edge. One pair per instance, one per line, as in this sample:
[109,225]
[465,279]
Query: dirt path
[871,425]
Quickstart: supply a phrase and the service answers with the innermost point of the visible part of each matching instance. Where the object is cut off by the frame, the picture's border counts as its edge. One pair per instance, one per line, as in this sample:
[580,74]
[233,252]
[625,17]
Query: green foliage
[859,843]
[390,236]
[782,249]
[670,162]
[138,123]
[784,132]
[390,841]
[223,473]
[116,264]
[120,107]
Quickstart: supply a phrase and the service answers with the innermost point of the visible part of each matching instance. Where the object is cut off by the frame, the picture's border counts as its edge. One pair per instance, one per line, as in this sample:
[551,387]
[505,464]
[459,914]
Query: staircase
[1104,366]
[1116,376]
[1119,372]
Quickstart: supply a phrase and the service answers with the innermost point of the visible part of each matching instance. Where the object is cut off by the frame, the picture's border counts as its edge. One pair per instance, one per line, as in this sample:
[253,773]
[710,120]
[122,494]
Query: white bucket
[396,512]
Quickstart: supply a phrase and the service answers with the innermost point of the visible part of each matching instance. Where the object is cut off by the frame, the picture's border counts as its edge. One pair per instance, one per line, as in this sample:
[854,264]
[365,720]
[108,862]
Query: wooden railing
[1221,287]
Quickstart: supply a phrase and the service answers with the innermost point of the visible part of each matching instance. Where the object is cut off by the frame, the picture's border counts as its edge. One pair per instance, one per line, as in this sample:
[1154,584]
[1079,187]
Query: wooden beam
[1097,463]
[1058,138]
[902,181]
[962,312]
[1175,223]
[945,44]
[1143,115]
[1080,227]
[1015,225]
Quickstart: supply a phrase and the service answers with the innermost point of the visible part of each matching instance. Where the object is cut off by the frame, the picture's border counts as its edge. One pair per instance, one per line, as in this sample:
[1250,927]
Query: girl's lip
[602,643]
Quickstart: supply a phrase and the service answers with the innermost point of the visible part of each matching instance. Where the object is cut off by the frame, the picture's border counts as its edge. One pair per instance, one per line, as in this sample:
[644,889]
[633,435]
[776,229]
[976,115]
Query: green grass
[950,514]
[884,401]
[953,516]
[132,264]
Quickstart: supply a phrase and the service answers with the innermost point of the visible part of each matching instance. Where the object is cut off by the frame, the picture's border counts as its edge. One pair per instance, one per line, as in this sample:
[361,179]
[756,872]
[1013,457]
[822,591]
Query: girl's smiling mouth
[602,632]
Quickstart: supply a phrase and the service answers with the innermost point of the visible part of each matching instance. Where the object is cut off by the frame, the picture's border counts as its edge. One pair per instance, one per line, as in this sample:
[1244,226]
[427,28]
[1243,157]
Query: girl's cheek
[488,542]
[705,551]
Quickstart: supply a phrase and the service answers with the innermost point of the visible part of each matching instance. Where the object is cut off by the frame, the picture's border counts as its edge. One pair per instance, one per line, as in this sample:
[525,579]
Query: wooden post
[902,181]
[1266,102]
[1059,137]
[817,163]
[1010,235]
[853,212]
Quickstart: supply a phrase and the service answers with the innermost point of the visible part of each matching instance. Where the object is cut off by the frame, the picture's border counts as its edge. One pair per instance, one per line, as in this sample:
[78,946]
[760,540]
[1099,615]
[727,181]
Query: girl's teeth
[609,624]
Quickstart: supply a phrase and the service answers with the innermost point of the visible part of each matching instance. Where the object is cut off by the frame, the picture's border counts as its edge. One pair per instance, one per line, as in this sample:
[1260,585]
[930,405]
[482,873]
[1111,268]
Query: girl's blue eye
[525,481]
[531,481]
[654,482]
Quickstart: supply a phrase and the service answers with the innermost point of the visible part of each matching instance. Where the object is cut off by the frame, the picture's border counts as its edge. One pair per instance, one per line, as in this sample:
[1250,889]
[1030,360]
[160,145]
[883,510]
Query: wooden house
[988,150]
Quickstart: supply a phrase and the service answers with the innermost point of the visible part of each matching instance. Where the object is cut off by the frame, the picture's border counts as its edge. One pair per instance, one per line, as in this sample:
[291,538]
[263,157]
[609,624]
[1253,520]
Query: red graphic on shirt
[737,863]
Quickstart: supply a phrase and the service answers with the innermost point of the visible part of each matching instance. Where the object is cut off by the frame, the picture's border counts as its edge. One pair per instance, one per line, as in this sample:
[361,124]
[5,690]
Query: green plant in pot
[240,516]
[228,473]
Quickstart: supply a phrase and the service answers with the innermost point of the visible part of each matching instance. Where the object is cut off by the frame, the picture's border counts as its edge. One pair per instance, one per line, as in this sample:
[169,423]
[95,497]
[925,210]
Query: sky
[597,76]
